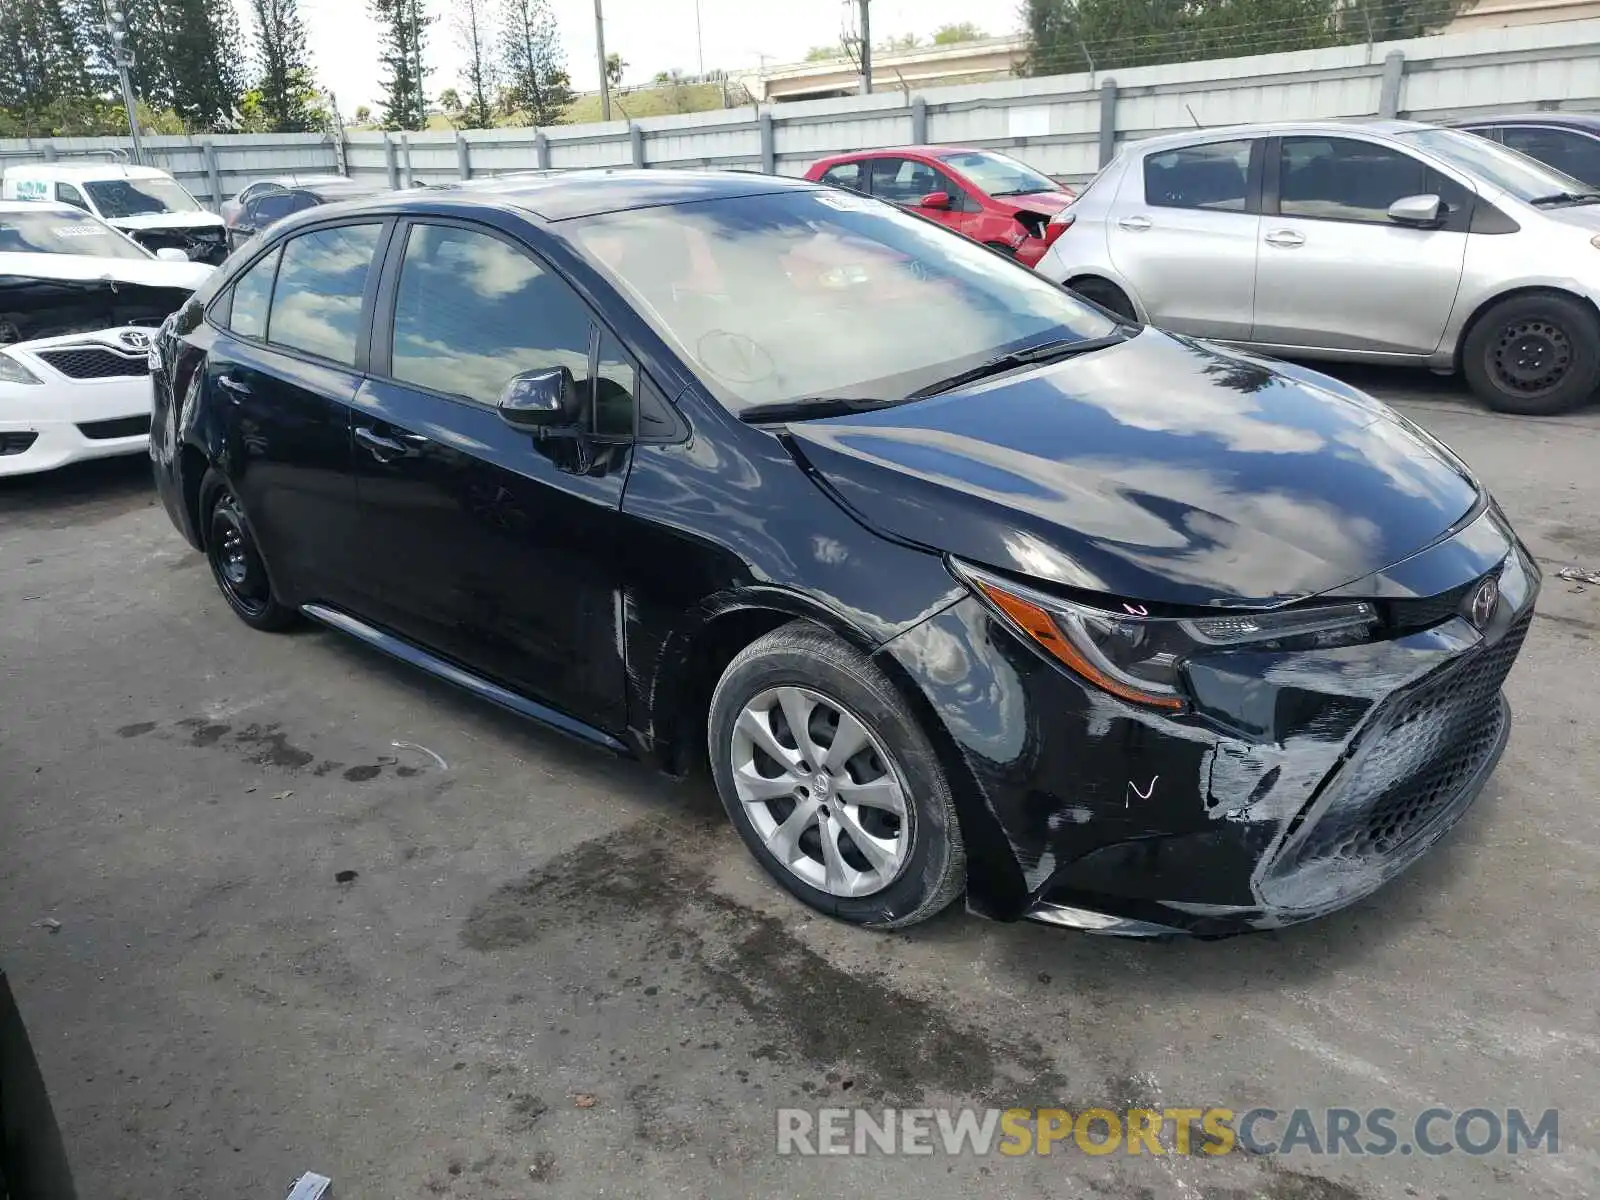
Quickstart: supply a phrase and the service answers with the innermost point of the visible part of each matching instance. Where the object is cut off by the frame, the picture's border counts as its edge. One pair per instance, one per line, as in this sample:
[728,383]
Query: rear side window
[471,311]
[316,306]
[846,175]
[251,296]
[1214,176]
[68,194]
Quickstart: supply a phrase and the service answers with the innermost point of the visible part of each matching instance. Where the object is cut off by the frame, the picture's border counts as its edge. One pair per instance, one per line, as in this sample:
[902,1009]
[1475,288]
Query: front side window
[1576,154]
[903,180]
[316,306]
[277,205]
[1213,176]
[68,194]
[999,175]
[471,311]
[616,383]
[63,233]
[822,293]
[116,198]
[847,175]
[1345,179]
[252,295]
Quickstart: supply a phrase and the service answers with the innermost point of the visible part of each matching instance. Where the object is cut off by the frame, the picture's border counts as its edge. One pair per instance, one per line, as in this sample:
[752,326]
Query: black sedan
[960,582]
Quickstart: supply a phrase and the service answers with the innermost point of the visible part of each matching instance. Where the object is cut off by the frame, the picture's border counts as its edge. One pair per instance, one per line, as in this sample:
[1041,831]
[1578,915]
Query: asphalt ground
[551,973]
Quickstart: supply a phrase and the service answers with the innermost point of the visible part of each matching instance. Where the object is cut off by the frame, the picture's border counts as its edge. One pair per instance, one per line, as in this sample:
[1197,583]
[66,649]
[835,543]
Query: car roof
[1222,133]
[882,151]
[90,170]
[1572,120]
[563,195]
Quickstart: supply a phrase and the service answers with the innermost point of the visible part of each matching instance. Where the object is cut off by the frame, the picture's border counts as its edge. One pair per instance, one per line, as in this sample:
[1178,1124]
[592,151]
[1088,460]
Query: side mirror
[937,200]
[541,400]
[1415,210]
[171,254]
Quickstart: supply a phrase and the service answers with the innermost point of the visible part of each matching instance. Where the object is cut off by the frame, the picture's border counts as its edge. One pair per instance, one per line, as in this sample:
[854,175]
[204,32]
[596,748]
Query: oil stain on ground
[896,1046]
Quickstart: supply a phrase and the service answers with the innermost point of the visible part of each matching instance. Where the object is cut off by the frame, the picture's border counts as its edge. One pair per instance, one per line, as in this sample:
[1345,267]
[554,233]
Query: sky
[651,36]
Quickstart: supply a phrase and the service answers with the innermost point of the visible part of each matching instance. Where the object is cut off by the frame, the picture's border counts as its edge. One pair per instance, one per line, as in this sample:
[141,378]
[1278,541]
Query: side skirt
[476,684]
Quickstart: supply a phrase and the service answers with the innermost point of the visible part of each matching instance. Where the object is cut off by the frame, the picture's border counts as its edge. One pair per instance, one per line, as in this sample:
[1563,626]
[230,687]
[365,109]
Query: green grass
[648,102]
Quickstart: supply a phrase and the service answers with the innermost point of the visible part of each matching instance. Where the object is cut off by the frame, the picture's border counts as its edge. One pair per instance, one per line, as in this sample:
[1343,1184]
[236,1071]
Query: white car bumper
[72,414]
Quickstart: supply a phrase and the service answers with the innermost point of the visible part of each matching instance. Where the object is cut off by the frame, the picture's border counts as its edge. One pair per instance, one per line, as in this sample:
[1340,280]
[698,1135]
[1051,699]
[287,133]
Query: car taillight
[1058,225]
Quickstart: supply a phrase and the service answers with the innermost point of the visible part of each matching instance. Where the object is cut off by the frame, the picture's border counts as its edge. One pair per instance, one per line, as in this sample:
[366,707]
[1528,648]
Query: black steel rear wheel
[236,562]
[1534,354]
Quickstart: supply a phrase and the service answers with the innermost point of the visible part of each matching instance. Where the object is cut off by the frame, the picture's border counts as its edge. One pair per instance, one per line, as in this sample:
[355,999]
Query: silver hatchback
[1384,241]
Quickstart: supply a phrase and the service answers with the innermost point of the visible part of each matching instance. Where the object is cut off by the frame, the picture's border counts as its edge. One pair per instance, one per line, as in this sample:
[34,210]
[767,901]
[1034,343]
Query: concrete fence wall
[1065,125]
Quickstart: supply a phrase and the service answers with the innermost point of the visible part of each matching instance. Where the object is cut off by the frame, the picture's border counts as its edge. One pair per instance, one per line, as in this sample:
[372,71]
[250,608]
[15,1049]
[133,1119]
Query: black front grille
[1414,764]
[118,427]
[16,443]
[1426,611]
[96,363]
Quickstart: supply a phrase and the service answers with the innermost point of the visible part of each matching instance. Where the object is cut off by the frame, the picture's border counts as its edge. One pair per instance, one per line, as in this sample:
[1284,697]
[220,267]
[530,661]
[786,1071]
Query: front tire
[831,782]
[235,559]
[1107,295]
[1534,355]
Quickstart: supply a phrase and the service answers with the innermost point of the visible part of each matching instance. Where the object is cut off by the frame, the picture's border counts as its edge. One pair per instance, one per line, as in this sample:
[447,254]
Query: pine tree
[46,87]
[535,66]
[401,39]
[286,84]
[475,34]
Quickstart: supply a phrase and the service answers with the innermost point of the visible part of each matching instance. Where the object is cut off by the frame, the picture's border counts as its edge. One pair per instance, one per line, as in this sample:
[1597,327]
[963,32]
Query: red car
[991,198]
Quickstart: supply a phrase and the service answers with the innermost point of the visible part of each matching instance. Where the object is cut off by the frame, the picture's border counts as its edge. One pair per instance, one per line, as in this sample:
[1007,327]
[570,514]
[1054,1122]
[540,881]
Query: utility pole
[600,53]
[122,54]
[699,45]
[866,49]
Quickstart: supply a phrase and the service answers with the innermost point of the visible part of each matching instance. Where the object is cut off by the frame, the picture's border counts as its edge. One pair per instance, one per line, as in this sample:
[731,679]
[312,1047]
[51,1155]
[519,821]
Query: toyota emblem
[133,339]
[1484,601]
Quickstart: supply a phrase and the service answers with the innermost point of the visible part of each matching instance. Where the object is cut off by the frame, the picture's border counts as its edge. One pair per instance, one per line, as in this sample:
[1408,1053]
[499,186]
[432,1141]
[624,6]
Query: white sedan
[78,304]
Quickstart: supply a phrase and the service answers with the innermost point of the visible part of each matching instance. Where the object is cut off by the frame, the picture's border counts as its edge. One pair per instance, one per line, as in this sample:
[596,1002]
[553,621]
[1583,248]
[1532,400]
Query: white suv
[147,204]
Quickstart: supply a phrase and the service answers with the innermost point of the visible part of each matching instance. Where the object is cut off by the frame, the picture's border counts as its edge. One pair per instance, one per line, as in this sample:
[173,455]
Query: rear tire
[1534,355]
[1107,295]
[235,559]
[869,835]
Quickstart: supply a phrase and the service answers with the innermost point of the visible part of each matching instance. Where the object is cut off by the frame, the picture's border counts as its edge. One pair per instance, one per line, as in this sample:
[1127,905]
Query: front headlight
[11,371]
[1139,657]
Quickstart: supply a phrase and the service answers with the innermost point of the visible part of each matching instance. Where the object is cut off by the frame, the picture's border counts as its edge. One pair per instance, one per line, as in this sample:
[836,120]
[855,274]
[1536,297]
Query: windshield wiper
[1565,198]
[1029,356]
[1023,192]
[809,408]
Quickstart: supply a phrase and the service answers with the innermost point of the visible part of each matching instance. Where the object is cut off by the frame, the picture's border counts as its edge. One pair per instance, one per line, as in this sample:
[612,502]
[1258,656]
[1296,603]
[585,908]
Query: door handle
[384,449]
[1288,239]
[1135,224]
[237,391]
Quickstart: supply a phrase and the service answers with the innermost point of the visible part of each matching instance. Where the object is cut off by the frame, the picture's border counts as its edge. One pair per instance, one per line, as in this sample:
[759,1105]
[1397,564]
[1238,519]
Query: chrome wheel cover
[822,791]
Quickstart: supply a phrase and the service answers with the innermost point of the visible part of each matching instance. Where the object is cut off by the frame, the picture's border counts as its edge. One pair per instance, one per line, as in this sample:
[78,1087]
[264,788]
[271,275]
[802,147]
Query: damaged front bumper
[1297,783]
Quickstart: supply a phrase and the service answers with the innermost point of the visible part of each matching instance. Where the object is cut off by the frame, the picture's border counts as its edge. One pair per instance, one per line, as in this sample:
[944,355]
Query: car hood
[175,220]
[75,267]
[1159,470]
[1045,202]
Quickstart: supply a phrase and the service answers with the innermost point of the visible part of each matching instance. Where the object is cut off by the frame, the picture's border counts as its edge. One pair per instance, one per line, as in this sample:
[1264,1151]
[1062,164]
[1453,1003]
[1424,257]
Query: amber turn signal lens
[1042,628]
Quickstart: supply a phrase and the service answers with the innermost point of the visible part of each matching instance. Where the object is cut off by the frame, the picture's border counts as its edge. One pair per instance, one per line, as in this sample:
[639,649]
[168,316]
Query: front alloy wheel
[831,781]
[821,790]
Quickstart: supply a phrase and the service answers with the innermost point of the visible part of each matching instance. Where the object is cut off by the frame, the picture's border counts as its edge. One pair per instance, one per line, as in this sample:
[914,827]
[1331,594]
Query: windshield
[63,233]
[996,175]
[823,293]
[1521,176]
[139,197]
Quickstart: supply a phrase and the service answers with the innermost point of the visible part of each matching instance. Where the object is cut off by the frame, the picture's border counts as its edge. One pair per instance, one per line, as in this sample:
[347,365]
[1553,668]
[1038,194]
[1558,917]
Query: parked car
[960,581]
[146,203]
[273,204]
[232,206]
[989,197]
[78,304]
[1569,142]
[1385,241]
[33,1161]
